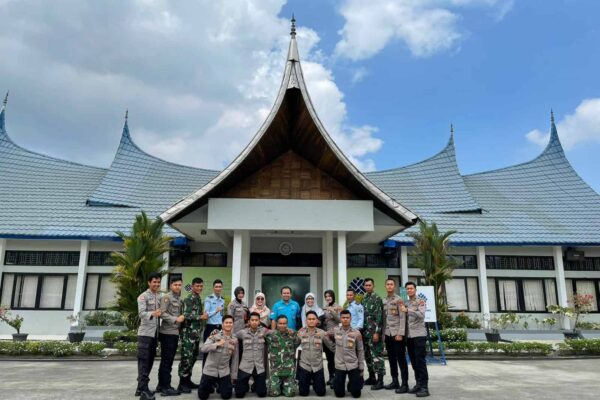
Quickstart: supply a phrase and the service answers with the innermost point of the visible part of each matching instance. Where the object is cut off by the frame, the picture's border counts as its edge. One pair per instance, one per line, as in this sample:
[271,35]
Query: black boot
[414,389]
[371,380]
[169,391]
[146,394]
[423,392]
[393,385]
[185,385]
[379,383]
[330,381]
[402,388]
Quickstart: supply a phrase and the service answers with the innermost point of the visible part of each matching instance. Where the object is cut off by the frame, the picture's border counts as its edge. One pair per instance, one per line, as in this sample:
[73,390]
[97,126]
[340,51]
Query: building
[292,209]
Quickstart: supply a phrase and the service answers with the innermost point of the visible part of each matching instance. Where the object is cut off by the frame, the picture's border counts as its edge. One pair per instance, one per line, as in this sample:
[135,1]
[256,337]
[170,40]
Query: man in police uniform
[191,330]
[417,338]
[372,333]
[310,369]
[356,310]
[222,360]
[170,314]
[349,357]
[394,322]
[252,363]
[149,314]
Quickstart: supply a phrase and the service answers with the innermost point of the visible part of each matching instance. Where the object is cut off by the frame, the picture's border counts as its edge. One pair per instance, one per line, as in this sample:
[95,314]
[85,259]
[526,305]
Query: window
[584,286]
[100,258]
[373,260]
[521,295]
[464,261]
[44,292]
[587,264]
[46,258]
[462,294]
[100,292]
[196,259]
[520,262]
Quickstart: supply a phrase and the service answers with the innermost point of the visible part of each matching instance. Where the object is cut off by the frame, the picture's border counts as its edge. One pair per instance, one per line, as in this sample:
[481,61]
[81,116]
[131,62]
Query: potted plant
[79,333]
[15,322]
[492,333]
[582,304]
[500,322]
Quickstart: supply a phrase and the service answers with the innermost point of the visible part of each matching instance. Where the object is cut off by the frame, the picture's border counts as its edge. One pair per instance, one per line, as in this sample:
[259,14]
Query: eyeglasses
[260,298]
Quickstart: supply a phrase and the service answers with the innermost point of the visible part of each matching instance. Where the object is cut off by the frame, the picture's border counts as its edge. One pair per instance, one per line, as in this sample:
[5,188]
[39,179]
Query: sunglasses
[260,298]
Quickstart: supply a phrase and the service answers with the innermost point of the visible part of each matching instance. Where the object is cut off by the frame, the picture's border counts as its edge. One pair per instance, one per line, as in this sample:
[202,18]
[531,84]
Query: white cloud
[580,127]
[198,77]
[426,27]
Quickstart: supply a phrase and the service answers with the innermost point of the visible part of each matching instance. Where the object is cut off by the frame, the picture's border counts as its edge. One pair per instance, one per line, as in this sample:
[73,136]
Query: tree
[142,256]
[431,256]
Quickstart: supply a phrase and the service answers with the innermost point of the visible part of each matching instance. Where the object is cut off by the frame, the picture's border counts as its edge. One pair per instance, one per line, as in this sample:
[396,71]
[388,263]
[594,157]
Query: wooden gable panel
[290,177]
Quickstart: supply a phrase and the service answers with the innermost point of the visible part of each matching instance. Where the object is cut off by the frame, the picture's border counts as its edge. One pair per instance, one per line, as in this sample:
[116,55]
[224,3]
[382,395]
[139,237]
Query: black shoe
[378,384]
[423,392]
[169,391]
[147,395]
[393,385]
[371,380]
[414,389]
[402,389]
[138,392]
[184,385]
[330,381]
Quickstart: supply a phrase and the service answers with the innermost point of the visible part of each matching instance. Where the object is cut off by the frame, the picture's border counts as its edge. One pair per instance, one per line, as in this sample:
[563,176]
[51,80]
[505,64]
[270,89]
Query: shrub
[111,336]
[582,346]
[91,348]
[126,349]
[128,336]
[463,321]
[587,325]
[516,348]
[48,348]
[451,335]
[103,318]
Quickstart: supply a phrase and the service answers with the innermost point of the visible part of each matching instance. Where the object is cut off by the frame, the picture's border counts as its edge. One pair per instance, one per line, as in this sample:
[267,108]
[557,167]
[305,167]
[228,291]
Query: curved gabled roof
[432,185]
[138,179]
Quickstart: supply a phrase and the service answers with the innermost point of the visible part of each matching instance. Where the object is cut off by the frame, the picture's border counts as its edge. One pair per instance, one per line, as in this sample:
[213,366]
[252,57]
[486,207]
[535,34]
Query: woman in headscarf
[331,320]
[238,310]
[310,304]
[260,306]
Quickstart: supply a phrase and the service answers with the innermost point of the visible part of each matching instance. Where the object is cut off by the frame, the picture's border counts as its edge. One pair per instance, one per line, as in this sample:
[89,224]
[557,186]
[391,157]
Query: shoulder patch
[421,302]
[141,297]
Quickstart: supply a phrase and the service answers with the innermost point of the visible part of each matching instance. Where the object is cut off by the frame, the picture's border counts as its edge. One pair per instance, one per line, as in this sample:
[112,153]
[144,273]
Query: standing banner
[427,294]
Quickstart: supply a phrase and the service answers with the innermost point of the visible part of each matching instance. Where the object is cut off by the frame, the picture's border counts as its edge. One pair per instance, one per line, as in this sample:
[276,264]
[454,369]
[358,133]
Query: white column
[240,262]
[483,286]
[342,272]
[2,254]
[327,246]
[561,284]
[404,264]
[81,275]
[164,283]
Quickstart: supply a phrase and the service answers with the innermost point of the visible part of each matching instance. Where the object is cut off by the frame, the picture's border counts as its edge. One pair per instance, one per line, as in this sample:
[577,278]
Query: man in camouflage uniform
[149,314]
[191,331]
[373,306]
[282,361]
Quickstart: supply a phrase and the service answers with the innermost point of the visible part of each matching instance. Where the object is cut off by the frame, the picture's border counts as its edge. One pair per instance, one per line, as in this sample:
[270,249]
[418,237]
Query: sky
[387,77]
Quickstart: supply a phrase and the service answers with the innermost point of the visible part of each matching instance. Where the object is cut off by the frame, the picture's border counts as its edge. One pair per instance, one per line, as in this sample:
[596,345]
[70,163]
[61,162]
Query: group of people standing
[280,350]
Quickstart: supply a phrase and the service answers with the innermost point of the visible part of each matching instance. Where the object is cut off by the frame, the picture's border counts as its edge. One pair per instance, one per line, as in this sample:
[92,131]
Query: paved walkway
[461,379]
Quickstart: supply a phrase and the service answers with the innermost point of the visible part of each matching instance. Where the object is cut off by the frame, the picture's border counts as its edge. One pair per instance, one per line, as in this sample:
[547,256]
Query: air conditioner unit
[574,255]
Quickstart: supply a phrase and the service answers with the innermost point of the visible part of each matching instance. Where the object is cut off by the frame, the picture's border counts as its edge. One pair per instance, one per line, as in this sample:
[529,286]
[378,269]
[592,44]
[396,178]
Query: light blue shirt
[358,315]
[291,310]
[211,303]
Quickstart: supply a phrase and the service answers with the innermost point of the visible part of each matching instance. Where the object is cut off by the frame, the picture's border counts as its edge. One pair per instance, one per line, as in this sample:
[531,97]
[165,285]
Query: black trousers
[416,352]
[242,384]
[145,356]
[355,385]
[397,355]
[330,355]
[168,348]
[207,383]
[207,331]
[306,378]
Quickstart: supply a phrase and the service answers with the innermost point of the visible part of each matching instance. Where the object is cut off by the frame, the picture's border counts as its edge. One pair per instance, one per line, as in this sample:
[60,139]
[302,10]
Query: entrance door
[271,285]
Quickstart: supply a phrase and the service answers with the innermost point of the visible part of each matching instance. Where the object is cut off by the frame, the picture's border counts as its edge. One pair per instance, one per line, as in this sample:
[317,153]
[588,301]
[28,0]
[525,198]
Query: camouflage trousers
[285,385]
[190,346]
[374,355]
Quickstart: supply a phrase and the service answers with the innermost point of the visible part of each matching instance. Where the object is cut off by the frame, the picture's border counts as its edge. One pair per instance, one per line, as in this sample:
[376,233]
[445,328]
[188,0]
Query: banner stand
[432,359]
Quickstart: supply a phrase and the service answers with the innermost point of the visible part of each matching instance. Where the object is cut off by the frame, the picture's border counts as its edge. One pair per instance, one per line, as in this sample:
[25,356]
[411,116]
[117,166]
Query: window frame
[464,279]
[521,293]
[596,282]
[100,275]
[38,294]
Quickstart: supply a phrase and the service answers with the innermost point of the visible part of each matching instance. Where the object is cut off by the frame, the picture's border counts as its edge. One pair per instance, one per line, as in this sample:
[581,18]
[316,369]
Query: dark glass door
[272,283]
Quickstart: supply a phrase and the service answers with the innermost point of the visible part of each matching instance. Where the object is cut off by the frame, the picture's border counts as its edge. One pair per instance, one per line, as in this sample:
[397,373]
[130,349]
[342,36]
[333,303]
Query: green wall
[209,274]
[378,274]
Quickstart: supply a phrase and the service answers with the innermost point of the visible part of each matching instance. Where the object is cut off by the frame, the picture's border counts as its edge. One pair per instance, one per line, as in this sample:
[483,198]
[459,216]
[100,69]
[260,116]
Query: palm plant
[431,256]
[142,256]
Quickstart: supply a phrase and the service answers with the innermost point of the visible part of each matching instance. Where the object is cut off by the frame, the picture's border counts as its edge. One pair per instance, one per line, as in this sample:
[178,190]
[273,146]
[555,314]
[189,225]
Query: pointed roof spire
[551,116]
[4,103]
[126,126]
[126,114]
[293,54]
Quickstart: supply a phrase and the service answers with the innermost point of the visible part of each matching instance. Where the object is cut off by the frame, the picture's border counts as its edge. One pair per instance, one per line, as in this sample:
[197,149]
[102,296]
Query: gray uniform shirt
[312,341]
[170,307]
[147,303]
[253,354]
[332,317]
[394,321]
[416,318]
[218,357]
[349,349]
[239,312]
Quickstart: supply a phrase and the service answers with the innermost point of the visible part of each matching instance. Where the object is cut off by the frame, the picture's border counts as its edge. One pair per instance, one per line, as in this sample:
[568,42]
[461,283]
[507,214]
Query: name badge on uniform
[350,343]
[394,311]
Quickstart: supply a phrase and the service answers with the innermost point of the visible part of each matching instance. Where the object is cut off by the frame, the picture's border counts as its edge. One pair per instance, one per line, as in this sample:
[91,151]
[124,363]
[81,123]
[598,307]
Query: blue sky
[387,77]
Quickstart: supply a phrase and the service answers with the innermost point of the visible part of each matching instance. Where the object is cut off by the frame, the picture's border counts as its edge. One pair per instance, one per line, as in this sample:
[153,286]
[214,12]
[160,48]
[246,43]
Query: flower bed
[513,349]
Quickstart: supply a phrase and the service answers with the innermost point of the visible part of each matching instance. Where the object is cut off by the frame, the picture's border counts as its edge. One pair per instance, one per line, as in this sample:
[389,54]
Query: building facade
[292,209]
